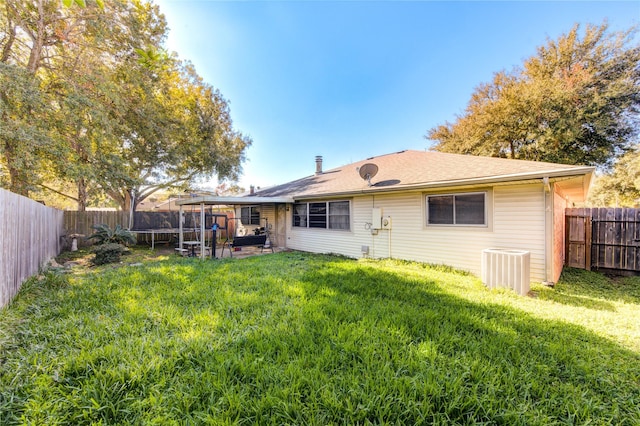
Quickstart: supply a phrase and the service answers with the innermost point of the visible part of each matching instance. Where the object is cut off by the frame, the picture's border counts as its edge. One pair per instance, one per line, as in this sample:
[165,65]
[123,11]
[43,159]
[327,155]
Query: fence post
[587,242]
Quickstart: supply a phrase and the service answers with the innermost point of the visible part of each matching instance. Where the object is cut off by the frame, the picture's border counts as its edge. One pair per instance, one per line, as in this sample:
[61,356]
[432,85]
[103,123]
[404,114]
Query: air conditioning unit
[507,269]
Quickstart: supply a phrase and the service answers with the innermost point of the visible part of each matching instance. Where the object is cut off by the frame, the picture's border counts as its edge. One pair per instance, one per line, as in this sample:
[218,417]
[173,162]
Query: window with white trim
[250,215]
[468,209]
[322,215]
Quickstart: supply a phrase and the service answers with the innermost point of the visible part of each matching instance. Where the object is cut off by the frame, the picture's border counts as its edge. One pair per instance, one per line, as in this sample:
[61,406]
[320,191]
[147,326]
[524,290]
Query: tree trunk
[130,205]
[82,195]
[17,183]
[117,197]
[38,41]
[16,178]
[6,50]
[126,205]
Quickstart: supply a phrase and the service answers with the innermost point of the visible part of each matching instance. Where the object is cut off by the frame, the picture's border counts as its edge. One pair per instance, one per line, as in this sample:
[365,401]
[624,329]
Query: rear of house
[515,219]
[428,207]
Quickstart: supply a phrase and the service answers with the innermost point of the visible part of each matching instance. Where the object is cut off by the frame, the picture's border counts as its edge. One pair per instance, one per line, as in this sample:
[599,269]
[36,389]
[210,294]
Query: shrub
[104,234]
[108,253]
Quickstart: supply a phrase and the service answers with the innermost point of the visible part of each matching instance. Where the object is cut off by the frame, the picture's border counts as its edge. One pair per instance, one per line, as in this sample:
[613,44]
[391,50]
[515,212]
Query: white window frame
[307,220]
[454,224]
[251,211]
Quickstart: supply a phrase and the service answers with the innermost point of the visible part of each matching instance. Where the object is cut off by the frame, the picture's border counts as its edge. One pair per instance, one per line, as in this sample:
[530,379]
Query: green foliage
[161,92]
[575,102]
[22,134]
[104,235]
[68,3]
[107,253]
[295,338]
[621,186]
[590,289]
[116,115]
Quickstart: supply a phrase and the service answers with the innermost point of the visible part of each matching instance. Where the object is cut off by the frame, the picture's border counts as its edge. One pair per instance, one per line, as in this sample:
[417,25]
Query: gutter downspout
[389,238]
[373,237]
[546,191]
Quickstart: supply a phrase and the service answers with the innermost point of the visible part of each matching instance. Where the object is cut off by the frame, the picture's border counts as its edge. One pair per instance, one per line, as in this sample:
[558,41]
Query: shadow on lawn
[578,287]
[304,339]
[348,329]
[510,365]
[557,295]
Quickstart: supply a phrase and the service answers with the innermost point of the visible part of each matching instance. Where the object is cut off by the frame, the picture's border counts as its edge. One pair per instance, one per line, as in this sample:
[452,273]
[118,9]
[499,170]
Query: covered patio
[218,223]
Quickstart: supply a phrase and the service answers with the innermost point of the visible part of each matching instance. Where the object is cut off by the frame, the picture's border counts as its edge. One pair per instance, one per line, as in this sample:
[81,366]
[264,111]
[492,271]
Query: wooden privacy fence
[81,223]
[603,238]
[76,222]
[30,235]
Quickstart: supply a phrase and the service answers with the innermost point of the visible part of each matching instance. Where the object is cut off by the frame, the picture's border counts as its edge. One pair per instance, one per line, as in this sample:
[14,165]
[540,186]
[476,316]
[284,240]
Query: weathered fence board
[609,236]
[578,241]
[30,235]
[616,242]
[81,223]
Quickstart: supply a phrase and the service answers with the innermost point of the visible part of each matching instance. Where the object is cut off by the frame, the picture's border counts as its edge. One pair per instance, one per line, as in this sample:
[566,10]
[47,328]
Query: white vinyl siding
[515,220]
[268,214]
[520,223]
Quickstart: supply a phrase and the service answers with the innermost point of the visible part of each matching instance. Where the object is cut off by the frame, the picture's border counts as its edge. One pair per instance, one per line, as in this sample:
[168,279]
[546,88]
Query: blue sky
[350,80]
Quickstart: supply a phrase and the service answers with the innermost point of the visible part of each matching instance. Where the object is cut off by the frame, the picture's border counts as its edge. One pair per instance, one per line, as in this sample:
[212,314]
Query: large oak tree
[621,186]
[90,98]
[577,101]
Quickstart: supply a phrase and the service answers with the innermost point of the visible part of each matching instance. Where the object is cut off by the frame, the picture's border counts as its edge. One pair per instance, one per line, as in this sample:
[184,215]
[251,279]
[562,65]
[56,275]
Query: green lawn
[295,338]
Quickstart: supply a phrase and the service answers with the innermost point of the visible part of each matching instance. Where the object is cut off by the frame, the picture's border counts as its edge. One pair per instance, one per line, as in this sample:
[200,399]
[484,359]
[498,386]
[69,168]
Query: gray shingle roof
[420,169]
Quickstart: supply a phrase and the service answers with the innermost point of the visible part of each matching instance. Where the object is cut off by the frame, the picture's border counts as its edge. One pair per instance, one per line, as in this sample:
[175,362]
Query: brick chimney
[318,164]
[252,190]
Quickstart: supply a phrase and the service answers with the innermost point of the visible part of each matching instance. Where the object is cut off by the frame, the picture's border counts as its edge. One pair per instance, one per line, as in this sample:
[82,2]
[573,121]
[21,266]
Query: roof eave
[527,176]
[218,200]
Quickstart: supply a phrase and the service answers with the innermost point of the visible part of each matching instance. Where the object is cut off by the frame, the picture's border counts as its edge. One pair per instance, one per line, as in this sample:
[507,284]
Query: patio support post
[202,228]
[181,238]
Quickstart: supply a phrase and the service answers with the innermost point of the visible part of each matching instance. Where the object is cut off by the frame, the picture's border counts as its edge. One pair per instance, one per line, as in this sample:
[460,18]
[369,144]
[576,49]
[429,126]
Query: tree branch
[58,192]
[151,189]
[11,36]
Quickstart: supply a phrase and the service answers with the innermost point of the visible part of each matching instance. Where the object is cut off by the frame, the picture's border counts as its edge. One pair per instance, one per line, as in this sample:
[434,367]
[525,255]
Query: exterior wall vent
[506,269]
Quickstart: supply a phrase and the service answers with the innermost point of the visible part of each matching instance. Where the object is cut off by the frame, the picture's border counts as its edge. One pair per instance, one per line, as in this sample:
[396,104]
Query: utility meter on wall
[386,222]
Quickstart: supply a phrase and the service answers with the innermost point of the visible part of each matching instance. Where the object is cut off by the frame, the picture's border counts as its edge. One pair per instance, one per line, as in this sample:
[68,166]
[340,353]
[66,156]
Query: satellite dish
[367,171]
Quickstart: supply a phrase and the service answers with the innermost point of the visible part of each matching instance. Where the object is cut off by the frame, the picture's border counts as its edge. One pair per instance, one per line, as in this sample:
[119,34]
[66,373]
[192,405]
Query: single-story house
[424,206]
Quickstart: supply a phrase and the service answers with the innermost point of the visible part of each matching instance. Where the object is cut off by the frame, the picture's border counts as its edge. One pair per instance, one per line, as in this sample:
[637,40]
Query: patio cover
[216,201]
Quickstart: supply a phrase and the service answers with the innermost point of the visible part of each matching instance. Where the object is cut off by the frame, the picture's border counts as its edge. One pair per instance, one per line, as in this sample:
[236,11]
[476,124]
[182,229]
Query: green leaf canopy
[575,102]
